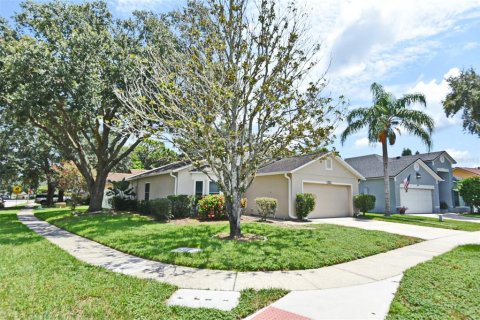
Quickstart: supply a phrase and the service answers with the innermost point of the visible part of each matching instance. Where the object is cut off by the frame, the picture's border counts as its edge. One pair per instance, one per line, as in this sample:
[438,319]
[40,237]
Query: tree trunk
[97,190]
[386,178]
[50,192]
[234,214]
[61,193]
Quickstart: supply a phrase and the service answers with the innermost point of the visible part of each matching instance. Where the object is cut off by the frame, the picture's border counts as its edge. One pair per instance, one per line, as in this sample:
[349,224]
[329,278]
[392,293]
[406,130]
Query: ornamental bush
[212,207]
[161,208]
[122,204]
[181,205]
[469,189]
[364,202]
[266,206]
[304,204]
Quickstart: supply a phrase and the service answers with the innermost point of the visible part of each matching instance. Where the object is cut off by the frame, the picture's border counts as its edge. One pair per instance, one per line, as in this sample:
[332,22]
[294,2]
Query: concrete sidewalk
[452,216]
[427,233]
[359,289]
[370,269]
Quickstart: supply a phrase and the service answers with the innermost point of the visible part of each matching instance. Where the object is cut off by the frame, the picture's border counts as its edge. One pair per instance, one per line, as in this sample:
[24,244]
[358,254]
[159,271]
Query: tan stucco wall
[317,172]
[275,186]
[161,186]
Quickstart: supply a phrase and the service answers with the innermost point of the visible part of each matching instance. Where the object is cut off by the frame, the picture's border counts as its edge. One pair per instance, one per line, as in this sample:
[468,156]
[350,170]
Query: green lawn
[286,248]
[425,221]
[447,287]
[40,281]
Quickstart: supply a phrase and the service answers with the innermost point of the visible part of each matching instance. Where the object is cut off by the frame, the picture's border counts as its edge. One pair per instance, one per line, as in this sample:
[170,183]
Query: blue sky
[406,45]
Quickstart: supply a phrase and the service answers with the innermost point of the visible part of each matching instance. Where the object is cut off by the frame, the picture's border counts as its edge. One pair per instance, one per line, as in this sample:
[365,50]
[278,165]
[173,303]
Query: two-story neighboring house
[429,176]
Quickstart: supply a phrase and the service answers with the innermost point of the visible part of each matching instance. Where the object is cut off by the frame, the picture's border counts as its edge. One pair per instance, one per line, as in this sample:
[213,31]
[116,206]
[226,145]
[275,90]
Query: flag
[406,182]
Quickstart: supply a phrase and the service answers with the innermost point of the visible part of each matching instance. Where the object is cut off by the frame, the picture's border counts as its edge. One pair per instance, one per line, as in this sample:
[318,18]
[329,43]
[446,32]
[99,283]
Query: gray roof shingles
[289,164]
[371,166]
[163,169]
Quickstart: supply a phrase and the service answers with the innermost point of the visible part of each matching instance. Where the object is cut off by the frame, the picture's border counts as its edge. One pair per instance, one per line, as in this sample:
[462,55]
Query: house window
[365,190]
[329,164]
[147,191]
[213,188]
[198,188]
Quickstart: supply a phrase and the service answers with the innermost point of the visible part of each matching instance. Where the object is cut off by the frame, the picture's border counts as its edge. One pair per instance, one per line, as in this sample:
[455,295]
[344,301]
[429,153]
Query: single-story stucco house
[328,177]
[430,183]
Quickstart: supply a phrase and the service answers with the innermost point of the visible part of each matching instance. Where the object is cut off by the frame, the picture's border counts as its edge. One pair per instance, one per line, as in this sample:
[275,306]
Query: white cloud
[464,158]
[368,40]
[363,143]
[436,91]
[471,45]
[127,6]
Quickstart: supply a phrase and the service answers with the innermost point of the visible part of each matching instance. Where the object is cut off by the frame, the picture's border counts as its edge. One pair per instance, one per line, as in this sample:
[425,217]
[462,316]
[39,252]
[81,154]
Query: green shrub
[266,206]
[181,205]
[443,205]
[122,204]
[304,204]
[364,202]
[212,207]
[469,189]
[161,208]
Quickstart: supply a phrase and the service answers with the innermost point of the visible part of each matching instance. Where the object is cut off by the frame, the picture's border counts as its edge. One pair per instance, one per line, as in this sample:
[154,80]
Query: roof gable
[289,164]
[371,166]
[168,168]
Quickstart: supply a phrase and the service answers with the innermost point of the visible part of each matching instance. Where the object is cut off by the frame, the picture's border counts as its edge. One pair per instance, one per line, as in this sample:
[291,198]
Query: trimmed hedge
[122,204]
[161,208]
[212,207]
[364,202]
[304,204]
[266,206]
[181,205]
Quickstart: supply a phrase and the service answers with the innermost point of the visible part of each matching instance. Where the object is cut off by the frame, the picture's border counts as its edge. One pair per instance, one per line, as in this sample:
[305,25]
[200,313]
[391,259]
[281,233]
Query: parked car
[2,203]
[42,198]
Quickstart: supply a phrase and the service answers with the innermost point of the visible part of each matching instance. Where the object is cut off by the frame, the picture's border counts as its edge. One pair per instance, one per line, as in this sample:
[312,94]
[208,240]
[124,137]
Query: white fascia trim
[452,161]
[135,177]
[270,173]
[427,168]
[421,186]
[350,168]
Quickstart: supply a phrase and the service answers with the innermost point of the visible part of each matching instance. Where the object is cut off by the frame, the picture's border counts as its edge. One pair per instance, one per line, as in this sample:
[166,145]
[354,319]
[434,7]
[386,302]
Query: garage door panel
[330,200]
[417,200]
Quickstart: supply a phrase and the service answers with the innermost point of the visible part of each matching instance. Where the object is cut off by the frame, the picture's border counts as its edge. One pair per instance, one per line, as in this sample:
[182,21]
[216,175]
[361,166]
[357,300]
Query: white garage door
[416,200]
[330,200]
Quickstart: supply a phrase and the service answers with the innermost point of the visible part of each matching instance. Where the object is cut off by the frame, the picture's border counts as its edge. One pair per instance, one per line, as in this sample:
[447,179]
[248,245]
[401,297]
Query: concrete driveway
[427,233]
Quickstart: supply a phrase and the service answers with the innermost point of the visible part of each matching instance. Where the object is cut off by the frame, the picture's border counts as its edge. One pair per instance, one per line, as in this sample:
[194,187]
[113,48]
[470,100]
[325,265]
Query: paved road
[374,273]
[427,233]
[452,216]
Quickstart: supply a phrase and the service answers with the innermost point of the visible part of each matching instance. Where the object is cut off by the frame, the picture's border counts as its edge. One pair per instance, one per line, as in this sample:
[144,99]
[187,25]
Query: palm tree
[384,119]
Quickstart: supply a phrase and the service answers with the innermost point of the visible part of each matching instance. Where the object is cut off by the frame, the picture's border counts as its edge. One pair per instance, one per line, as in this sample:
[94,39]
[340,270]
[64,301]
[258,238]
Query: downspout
[175,183]
[289,197]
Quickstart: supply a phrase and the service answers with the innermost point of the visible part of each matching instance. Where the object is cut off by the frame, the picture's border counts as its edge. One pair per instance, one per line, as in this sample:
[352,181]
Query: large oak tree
[60,68]
[240,92]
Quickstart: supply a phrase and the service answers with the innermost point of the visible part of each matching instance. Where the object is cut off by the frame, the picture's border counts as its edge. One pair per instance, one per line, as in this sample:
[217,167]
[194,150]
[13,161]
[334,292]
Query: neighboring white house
[328,177]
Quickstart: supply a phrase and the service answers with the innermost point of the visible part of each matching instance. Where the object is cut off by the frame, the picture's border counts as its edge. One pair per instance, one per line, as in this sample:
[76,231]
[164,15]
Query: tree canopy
[239,92]
[60,65]
[465,97]
[385,119]
[151,154]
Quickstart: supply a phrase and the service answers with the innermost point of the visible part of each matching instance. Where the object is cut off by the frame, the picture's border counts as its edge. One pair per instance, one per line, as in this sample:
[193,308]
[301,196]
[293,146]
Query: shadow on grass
[12,231]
